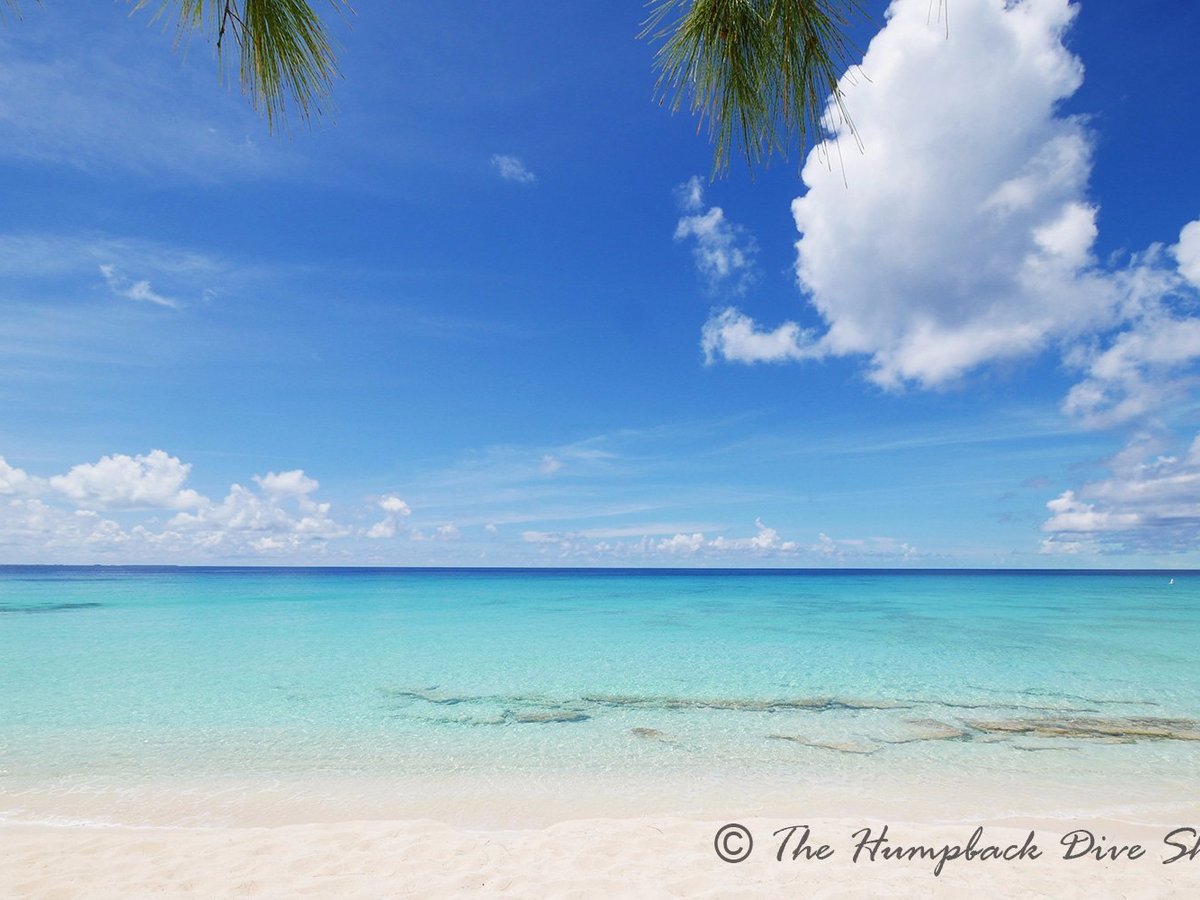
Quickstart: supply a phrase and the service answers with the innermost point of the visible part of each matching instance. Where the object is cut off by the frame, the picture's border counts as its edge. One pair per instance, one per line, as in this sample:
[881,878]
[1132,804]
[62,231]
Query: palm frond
[285,56]
[759,72]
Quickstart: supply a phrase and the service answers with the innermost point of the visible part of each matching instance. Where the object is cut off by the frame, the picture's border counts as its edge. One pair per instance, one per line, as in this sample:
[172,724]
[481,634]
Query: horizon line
[671,570]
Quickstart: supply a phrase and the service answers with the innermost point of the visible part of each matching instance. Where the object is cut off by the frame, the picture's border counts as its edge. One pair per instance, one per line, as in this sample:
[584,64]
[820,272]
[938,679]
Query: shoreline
[532,799]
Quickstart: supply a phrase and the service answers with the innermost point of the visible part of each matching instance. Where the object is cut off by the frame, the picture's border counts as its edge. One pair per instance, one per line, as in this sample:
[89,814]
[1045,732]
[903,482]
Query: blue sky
[490,310]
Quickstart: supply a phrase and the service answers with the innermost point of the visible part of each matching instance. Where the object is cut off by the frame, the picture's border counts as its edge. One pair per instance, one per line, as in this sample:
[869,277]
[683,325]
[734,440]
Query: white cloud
[1150,502]
[446,532]
[690,195]
[576,546]
[549,464]
[1144,365]
[732,335]
[766,540]
[962,234]
[723,252]
[133,290]
[1053,546]
[511,168]
[393,505]
[386,528]
[293,483]
[12,479]
[968,199]
[1141,370]
[870,549]
[766,543]
[637,529]
[33,523]
[682,544]
[583,543]
[634,542]
[1187,252]
[544,537]
[61,518]
[1073,515]
[282,516]
[395,509]
[153,480]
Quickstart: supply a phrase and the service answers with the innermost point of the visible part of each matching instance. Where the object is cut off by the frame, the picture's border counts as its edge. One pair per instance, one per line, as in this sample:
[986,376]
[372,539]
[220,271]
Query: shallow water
[1037,689]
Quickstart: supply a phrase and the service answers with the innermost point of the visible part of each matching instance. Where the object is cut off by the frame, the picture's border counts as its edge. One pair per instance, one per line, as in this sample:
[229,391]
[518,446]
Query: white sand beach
[579,836]
[646,857]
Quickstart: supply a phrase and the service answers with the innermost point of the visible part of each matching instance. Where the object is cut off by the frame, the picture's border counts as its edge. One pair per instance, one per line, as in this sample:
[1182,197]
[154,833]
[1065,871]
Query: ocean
[173,695]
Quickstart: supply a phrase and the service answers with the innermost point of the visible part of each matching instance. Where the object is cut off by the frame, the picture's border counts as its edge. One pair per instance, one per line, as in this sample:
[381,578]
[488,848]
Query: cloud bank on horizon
[962,236]
[137,509]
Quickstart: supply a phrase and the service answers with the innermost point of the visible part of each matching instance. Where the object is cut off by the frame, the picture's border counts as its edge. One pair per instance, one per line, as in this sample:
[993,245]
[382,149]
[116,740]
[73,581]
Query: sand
[646,857]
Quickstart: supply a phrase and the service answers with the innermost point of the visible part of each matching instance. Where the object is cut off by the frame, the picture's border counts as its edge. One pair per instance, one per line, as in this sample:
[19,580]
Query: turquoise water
[837,680]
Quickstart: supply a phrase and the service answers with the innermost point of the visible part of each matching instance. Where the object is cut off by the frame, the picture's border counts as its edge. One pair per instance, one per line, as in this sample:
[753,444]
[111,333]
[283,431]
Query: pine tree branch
[763,74]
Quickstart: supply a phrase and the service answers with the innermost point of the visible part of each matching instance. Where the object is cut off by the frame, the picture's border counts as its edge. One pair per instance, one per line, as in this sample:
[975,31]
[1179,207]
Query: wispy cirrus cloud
[45,255]
[101,112]
[58,292]
[96,92]
[134,290]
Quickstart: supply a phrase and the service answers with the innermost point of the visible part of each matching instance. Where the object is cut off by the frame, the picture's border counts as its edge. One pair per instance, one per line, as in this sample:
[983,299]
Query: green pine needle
[284,52]
[759,71]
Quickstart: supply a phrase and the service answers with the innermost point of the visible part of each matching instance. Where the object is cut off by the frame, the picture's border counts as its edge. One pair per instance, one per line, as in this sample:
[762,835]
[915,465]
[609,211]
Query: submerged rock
[735,704]
[527,716]
[932,730]
[650,734]
[952,704]
[429,695]
[46,607]
[444,698]
[857,747]
[471,721]
[1108,730]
